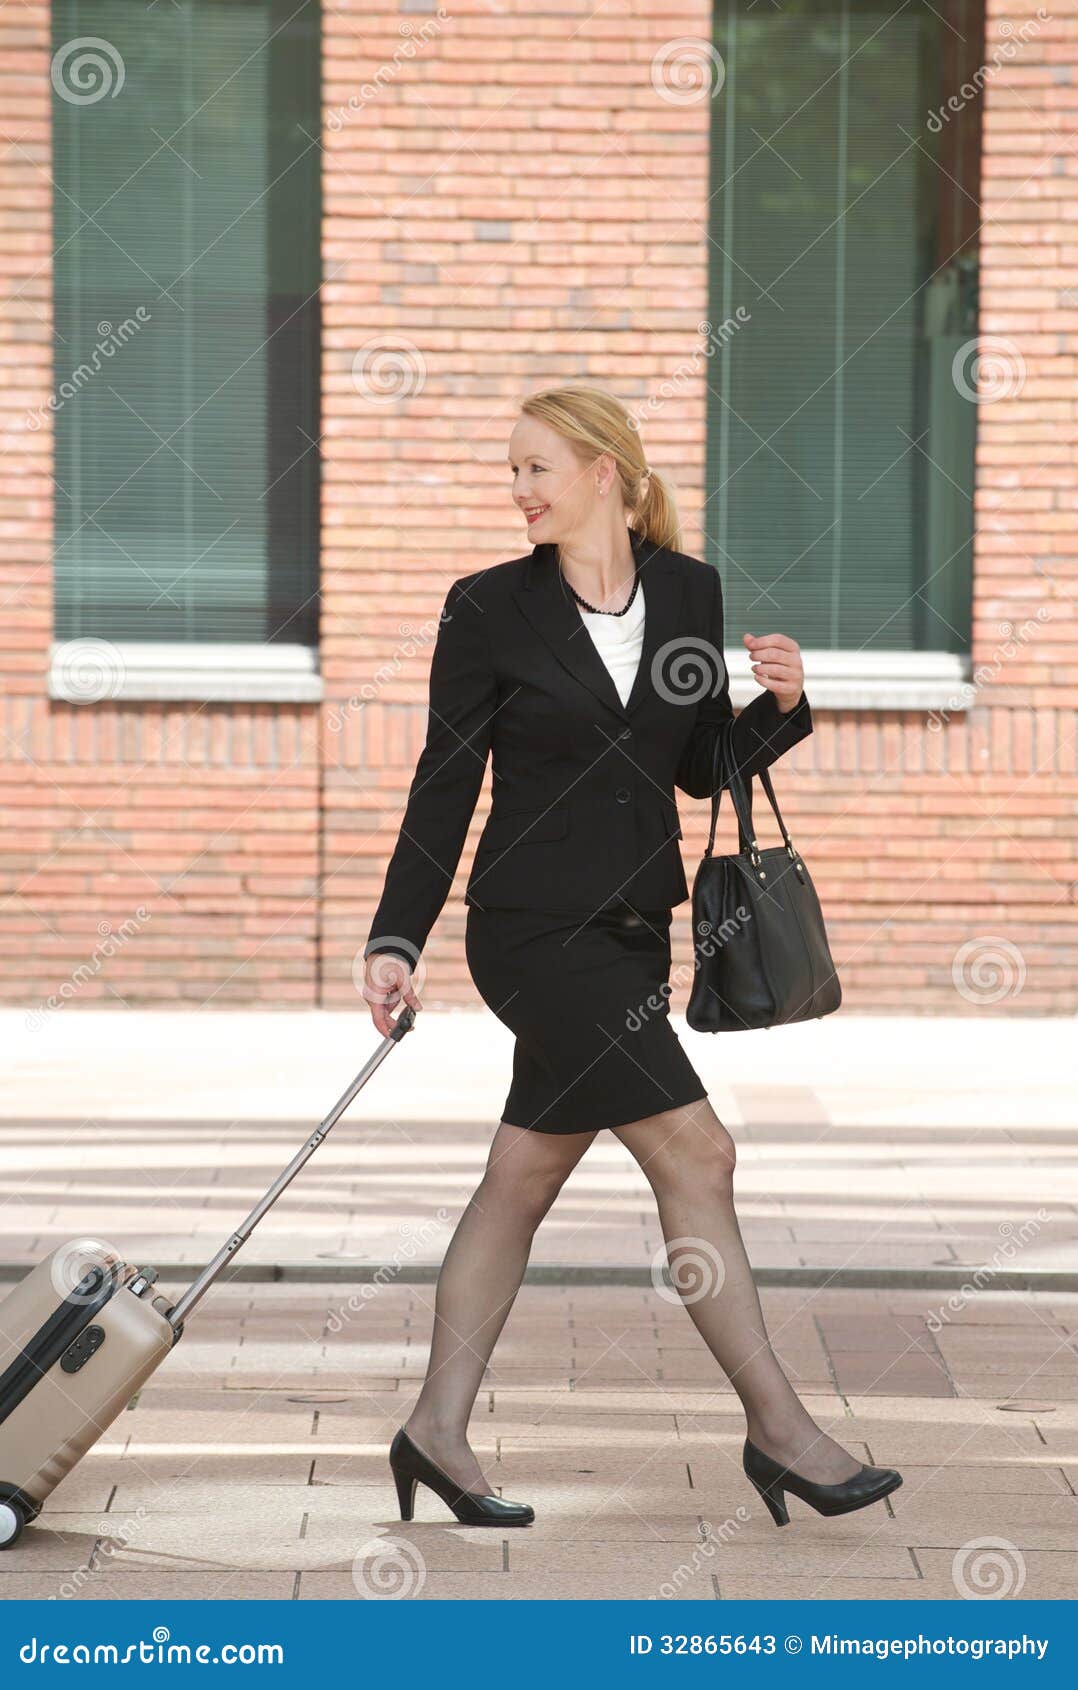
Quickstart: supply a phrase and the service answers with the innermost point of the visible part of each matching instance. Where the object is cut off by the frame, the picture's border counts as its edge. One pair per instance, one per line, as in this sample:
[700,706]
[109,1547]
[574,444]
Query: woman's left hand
[776,663]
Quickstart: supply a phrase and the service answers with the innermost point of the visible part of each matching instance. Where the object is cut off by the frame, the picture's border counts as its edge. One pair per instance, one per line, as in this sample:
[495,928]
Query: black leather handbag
[761,957]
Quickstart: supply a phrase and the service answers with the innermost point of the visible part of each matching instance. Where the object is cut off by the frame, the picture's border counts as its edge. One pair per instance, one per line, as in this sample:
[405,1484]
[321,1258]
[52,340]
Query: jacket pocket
[525,827]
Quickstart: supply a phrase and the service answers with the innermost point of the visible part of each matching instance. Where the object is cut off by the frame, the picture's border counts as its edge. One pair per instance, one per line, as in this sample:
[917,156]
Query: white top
[619,640]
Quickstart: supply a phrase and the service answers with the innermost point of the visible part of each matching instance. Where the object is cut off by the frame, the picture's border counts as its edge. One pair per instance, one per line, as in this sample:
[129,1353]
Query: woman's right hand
[387,979]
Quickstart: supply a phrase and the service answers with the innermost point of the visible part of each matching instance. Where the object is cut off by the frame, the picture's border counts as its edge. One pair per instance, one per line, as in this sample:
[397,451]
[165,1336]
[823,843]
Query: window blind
[840,449]
[186,233]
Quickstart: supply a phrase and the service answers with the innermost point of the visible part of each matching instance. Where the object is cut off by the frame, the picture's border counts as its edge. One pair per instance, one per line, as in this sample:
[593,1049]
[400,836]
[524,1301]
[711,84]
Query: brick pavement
[254,1463]
[865,1143]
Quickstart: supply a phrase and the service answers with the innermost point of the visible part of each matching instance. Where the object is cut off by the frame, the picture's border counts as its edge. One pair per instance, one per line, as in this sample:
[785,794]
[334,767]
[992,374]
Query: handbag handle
[741,798]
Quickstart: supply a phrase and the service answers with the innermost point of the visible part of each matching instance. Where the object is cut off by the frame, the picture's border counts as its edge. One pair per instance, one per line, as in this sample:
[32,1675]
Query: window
[186,165]
[843,311]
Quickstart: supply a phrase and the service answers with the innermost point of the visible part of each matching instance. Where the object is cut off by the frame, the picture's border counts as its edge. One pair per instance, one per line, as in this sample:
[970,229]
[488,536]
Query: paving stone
[646,1516]
[1054,1396]
[376,1548]
[89,1485]
[566,1428]
[240,1424]
[504,1587]
[49,1546]
[141,1585]
[196,1492]
[602,1406]
[791,1557]
[203,1541]
[1037,1479]
[1028,1522]
[184,1465]
[844,1589]
[1049,1576]
[663,1464]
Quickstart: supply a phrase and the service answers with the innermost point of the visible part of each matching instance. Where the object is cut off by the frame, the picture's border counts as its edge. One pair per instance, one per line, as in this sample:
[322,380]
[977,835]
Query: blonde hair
[594,421]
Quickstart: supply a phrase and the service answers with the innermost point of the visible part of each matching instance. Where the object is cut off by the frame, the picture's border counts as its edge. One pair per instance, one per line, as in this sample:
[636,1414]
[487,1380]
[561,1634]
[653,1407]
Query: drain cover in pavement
[325,1397]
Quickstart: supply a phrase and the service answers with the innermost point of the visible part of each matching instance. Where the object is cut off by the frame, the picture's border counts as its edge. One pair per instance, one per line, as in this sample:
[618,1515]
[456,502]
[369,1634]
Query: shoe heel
[406,1484]
[776,1502]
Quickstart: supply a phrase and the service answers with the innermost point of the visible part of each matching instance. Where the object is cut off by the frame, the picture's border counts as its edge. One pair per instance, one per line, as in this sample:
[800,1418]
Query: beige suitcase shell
[83,1331]
[66,1412]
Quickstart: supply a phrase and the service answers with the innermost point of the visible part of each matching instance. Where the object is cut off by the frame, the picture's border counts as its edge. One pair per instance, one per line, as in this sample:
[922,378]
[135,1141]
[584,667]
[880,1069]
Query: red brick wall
[494,225]
[515,208]
[25,364]
[1019,804]
[150,853]
[488,199]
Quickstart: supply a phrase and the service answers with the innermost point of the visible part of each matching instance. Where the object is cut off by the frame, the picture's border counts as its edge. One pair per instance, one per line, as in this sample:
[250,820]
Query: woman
[569,665]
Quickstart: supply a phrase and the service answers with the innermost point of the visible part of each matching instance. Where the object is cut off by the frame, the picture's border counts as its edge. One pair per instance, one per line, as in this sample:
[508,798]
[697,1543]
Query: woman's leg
[478,1282]
[688,1157]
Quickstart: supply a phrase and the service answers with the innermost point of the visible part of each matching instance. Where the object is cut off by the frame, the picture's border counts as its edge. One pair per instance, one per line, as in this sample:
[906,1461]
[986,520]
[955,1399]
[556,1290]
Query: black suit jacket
[583,809]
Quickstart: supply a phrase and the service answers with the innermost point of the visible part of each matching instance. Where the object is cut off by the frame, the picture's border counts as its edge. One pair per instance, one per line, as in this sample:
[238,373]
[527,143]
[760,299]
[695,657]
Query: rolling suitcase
[83,1331]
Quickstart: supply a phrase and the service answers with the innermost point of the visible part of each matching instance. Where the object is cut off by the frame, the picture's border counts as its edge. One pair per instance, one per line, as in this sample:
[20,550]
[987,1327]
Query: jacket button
[623,795]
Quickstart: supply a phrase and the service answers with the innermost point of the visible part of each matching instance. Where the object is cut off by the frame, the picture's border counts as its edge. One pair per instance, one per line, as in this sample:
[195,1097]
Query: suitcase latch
[86,1344]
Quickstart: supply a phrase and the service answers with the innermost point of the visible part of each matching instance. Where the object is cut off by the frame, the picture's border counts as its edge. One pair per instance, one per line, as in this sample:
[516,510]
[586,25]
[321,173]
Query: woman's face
[554,490]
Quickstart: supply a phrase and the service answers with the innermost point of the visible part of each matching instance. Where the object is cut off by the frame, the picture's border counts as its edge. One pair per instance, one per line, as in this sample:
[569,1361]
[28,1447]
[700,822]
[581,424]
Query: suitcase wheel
[12,1520]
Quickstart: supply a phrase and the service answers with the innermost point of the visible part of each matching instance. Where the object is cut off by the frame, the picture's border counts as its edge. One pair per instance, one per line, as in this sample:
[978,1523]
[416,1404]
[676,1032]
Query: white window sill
[93,671]
[870,680]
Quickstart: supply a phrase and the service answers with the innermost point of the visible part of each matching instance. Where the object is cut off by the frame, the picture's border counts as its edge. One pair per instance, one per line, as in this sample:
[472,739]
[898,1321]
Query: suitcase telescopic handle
[197,1289]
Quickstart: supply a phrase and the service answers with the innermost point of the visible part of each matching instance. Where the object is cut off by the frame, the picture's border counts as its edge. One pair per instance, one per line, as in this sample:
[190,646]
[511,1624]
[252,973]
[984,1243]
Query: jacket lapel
[664,586]
[551,609]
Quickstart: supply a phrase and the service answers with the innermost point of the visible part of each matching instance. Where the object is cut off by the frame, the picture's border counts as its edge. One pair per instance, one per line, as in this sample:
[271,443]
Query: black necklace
[584,605]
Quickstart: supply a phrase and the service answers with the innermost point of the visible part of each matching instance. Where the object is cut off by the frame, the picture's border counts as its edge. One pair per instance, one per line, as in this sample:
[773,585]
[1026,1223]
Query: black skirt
[588,1000]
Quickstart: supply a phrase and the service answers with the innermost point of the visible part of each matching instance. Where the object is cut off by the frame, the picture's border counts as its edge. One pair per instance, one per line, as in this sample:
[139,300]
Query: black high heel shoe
[411,1467]
[773,1480]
